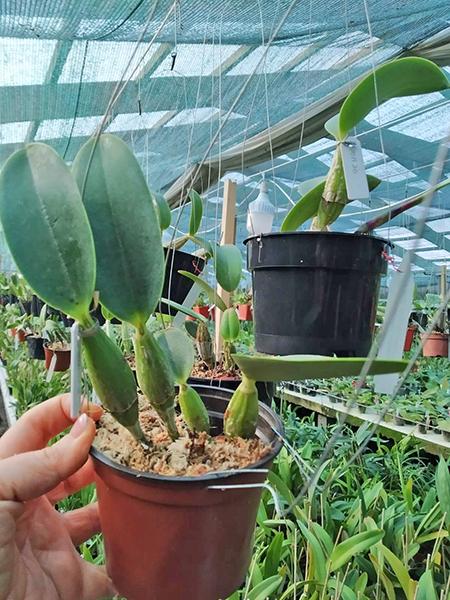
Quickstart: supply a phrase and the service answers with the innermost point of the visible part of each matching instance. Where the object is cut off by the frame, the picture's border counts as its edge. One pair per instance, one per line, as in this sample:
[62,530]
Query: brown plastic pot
[20,334]
[245,312]
[62,358]
[436,344]
[175,537]
[409,339]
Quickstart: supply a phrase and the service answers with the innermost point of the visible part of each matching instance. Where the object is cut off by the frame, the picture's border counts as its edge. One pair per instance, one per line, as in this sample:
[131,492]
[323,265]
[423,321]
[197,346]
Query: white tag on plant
[51,368]
[354,171]
[75,371]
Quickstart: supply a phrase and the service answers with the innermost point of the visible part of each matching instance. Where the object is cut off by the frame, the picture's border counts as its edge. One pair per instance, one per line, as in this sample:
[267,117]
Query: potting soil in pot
[218,372]
[190,455]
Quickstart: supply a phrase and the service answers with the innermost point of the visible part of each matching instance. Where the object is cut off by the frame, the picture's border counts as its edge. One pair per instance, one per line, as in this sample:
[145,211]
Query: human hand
[38,559]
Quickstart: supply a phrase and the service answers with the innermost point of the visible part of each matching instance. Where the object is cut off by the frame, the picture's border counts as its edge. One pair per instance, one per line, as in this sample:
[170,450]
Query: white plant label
[398,309]
[51,368]
[75,371]
[354,171]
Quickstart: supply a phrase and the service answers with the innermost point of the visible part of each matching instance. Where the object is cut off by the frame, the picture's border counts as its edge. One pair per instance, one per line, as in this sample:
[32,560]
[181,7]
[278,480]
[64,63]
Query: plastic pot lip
[46,346]
[151,478]
[318,233]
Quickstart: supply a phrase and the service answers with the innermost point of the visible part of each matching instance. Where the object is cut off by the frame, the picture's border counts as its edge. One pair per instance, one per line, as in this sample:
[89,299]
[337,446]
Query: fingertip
[93,410]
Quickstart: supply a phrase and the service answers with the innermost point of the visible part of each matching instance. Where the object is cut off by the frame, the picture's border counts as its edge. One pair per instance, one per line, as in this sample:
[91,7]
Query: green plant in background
[242,297]
[324,201]
[108,243]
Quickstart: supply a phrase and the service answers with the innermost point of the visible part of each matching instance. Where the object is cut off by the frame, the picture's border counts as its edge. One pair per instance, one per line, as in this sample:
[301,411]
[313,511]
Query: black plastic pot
[12,299]
[177,287]
[315,292]
[266,390]
[36,305]
[25,307]
[35,347]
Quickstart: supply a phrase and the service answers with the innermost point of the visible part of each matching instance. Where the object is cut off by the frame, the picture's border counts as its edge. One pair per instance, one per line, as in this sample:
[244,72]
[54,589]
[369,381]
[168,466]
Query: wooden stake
[227,236]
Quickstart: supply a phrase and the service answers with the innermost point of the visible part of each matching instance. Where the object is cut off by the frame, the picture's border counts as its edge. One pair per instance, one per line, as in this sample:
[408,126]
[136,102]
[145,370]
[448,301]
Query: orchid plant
[324,201]
[98,227]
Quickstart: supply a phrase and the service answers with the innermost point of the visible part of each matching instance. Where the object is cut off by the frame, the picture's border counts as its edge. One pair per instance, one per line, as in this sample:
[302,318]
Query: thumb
[31,474]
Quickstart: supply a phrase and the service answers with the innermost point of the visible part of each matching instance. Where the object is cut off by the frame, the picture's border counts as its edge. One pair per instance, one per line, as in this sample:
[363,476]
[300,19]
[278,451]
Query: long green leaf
[401,572]
[345,592]
[47,229]
[130,259]
[228,266]
[203,243]
[273,556]
[304,209]
[443,488]
[264,589]
[209,291]
[186,311]
[307,207]
[426,589]
[162,210]
[306,366]
[196,212]
[388,586]
[320,570]
[179,351]
[353,545]
[306,186]
[404,77]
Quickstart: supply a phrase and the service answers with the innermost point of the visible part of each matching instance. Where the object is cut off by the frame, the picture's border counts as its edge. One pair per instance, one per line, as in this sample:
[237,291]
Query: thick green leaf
[191,327]
[179,351]
[209,291]
[184,309]
[403,77]
[332,126]
[443,488]
[426,588]
[306,186]
[264,589]
[162,210]
[47,229]
[361,584]
[345,551]
[203,243]
[230,327]
[273,556]
[130,259]
[304,209]
[196,212]
[320,570]
[307,207]
[401,572]
[228,266]
[307,366]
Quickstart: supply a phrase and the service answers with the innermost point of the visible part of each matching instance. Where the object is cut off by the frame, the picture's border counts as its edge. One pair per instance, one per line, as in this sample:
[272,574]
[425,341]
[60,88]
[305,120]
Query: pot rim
[149,478]
[47,347]
[329,233]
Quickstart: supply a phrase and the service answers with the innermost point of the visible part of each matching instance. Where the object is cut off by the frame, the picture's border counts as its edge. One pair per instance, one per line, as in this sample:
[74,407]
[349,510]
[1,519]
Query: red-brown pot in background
[409,339]
[62,358]
[436,344]
[20,334]
[173,537]
[245,312]
[201,310]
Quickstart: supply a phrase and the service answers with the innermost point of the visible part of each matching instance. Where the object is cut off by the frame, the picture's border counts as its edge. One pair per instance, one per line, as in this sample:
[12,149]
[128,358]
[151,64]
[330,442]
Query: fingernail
[80,426]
